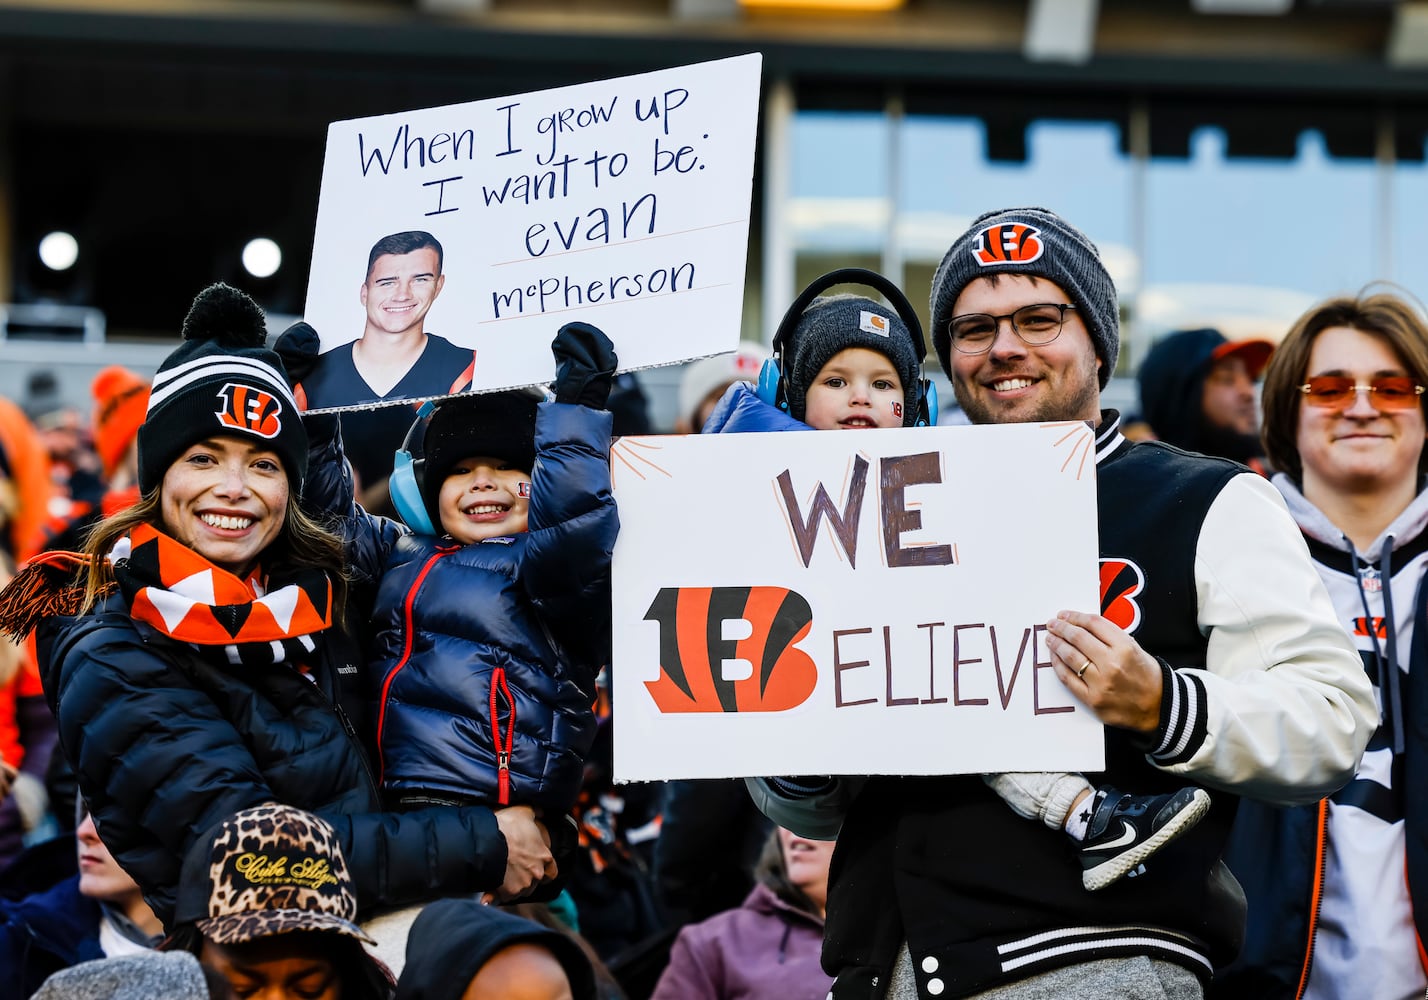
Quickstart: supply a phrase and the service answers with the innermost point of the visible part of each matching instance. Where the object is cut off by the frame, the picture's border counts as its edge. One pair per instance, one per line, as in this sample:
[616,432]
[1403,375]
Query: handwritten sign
[863,602]
[622,203]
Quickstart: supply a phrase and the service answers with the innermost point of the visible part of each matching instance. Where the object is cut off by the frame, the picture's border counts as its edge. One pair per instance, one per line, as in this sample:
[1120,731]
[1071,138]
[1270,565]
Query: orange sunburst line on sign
[1080,447]
[615,453]
[1085,454]
[652,465]
[627,443]
[628,458]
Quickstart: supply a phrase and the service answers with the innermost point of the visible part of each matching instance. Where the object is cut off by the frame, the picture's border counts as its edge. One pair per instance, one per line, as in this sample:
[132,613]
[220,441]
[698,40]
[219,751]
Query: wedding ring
[1084,667]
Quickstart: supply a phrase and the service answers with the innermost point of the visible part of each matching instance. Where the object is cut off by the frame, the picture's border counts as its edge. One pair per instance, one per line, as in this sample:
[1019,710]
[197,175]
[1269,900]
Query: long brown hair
[302,542]
[1389,317]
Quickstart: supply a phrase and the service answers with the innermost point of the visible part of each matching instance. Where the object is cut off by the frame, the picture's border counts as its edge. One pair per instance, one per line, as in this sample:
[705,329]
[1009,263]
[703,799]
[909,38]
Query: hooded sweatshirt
[1361,933]
[1172,387]
[766,949]
[454,938]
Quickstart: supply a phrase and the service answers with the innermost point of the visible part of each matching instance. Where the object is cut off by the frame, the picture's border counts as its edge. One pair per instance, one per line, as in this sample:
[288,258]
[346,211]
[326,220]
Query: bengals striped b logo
[1010,243]
[1121,582]
[693,650]
[250,410]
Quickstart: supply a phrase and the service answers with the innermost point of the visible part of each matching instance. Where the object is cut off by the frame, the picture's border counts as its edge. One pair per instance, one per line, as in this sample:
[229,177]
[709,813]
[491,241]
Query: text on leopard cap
[272,869]
[1038,243]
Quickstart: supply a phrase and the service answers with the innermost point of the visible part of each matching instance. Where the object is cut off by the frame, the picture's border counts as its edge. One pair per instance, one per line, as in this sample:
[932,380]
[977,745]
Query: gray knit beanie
[146,975]
[834,323]
[1036,242]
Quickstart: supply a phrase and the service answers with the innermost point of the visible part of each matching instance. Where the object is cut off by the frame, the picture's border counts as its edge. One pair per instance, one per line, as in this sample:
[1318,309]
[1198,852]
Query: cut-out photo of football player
[395,357]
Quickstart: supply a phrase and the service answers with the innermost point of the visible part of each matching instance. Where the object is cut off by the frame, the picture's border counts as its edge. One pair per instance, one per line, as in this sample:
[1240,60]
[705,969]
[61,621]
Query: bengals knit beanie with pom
[221,382]
[1039,244]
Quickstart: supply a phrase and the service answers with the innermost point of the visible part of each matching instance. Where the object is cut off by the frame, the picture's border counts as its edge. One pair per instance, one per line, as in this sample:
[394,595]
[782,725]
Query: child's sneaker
[1126,829]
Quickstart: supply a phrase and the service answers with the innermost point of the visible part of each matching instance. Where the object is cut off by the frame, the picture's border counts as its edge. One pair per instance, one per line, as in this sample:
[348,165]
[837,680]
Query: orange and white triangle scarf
[254,621]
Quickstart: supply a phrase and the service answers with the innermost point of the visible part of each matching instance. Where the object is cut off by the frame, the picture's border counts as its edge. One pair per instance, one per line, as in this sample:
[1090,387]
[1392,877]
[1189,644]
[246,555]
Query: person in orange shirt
[25,483]
[121,398]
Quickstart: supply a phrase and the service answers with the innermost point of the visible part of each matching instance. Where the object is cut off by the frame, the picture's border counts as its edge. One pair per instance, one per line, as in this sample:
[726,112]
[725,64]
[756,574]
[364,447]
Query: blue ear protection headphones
[406,481]
[771,388]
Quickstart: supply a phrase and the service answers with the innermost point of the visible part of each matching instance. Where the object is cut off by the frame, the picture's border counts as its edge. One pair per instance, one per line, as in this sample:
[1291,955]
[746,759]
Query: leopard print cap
[275,869]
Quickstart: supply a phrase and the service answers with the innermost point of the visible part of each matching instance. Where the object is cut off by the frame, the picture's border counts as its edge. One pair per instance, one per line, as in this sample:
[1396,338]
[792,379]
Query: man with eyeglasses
[1197,393]
[1343,908]
[1215,658]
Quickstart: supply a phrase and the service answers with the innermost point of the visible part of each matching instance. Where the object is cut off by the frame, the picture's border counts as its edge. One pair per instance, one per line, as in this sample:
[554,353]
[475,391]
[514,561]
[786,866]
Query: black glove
[585,365]
[298,347]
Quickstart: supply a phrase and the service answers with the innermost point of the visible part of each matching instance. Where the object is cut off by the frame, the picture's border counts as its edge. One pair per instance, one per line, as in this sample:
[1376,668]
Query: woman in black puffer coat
[207,671]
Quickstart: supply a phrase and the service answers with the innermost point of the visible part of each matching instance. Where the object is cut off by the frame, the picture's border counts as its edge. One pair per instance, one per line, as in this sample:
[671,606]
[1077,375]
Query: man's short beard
[1086,400]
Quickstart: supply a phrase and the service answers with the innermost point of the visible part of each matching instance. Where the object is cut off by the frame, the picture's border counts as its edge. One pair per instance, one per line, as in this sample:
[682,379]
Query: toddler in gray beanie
[834,323]
[1038,243]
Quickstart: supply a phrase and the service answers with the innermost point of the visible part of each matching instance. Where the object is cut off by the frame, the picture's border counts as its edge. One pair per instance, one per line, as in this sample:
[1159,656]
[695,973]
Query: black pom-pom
[229,317]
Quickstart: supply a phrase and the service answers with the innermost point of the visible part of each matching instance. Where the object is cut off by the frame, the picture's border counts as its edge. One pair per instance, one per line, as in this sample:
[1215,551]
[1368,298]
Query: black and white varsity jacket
[1264,696]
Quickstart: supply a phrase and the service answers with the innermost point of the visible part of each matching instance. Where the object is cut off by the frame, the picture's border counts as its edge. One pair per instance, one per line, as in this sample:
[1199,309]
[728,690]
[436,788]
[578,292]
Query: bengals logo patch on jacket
[1121,582]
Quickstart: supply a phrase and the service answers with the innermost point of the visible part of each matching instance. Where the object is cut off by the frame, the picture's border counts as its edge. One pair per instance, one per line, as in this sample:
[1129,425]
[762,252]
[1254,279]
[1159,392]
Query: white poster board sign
[865,602]
[623,203]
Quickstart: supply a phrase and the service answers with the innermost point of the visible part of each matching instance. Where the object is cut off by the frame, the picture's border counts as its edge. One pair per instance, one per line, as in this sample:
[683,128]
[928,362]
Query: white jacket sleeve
[1283,709]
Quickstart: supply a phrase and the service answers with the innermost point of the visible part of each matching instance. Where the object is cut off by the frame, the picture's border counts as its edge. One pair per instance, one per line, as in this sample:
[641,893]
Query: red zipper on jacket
[503,751]
[1408,888]
[1316,898]
[402,662]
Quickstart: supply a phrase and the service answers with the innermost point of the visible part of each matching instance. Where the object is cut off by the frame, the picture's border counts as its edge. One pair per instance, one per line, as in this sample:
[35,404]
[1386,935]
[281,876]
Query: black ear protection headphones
[771,388]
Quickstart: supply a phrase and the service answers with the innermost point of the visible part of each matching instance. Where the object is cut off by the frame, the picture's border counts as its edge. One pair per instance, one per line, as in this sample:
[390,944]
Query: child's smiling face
[856,388]
[484,497]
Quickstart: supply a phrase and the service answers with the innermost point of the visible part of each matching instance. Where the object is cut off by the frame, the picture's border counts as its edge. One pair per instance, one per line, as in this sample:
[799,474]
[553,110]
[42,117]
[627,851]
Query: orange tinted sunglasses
[1338,392]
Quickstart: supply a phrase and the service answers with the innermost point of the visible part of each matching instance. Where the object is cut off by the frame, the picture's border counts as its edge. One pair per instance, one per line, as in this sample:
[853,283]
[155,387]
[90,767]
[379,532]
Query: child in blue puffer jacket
[492,616]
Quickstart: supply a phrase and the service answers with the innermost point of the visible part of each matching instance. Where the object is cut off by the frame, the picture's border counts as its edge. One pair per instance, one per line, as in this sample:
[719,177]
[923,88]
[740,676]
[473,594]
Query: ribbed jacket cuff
[1182,727]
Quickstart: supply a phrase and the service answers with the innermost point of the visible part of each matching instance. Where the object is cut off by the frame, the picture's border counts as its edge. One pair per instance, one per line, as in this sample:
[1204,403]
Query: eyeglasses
[1037,325]
[1338,392]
